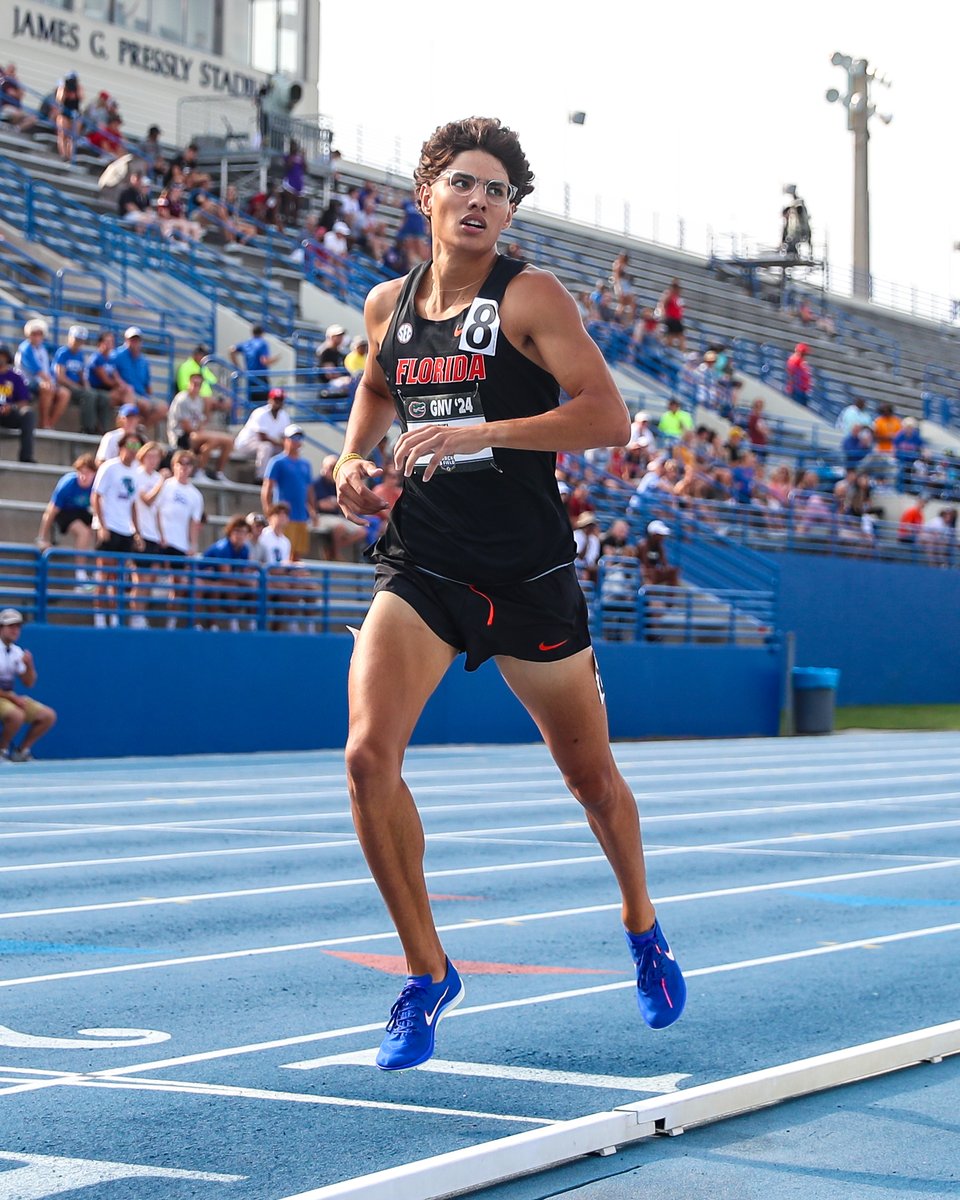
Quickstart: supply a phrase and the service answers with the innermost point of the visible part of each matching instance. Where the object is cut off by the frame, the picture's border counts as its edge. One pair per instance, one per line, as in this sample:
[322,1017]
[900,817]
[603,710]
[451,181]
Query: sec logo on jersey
[404,333]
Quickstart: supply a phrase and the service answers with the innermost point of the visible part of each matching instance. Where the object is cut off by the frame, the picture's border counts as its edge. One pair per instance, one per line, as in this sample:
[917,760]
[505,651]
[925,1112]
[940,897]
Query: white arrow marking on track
[43,1175]
[96,1039]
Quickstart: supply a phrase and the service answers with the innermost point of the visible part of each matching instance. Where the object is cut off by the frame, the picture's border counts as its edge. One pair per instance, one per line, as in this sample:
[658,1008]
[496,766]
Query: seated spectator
[908,441]
[805,312]
[234,598]
[586,536]
[777,488]
[70,365]
[133,202]
[174,223]
[885,429]
[855,414]
[854,500]
[150,148]
[616,540]
[193,365]
[623,291]
[133,368]
[743,477]
[356,360]
[68,510]
[187,429]
[68,99]
[185,169]
[11,100]
[262,435]
[939,537]
[675,420]
[330,522]
[652,552]
[103,377]
[757,429]
[128,427]
[16,411]
[814,514]
[18,712]
[108,138]
[256,523]
[857,445]
[334,376]
[370,233]
[265,206]
[33,361]
[670,312]
[911,521]
[411,238]
[208,210]
[734,447]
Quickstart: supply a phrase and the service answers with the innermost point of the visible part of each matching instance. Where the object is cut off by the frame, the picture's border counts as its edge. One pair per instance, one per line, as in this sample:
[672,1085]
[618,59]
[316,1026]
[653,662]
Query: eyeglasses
[497,191]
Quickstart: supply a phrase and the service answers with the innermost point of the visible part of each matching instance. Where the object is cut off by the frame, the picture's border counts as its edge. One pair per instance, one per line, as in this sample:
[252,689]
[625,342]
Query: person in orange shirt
[911,521]
[885,429]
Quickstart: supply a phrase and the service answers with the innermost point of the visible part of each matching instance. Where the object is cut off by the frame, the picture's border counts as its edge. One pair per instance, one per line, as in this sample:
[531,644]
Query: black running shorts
[538,620]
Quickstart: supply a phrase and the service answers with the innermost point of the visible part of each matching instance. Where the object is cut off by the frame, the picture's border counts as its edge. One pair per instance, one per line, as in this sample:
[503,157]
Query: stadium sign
[133,55]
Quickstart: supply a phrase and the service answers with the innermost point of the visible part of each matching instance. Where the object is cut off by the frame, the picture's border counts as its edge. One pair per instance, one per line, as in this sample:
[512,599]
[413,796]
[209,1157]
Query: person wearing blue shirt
[288,479]
[69,506]
[133,368]
[70,369]
[254,356]
[229,593]
[102,374]
[15,408]
[33,362]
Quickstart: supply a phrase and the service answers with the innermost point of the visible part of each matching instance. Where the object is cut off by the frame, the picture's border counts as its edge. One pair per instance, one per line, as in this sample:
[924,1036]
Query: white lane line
[132,1083]
[566,801]
[797,760]
[659,1084]
[225,824]
[515,919]
[520,1002]
[366,881]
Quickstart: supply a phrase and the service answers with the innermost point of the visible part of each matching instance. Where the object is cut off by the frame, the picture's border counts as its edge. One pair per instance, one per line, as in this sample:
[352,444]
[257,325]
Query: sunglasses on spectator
[497,191]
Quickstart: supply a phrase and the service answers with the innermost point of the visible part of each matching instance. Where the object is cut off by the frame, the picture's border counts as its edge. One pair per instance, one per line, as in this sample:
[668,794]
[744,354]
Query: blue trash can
[814,698]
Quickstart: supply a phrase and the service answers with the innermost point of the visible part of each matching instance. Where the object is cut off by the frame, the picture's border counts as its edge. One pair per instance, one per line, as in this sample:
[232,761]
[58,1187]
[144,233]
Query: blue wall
[892,629]
[124,691]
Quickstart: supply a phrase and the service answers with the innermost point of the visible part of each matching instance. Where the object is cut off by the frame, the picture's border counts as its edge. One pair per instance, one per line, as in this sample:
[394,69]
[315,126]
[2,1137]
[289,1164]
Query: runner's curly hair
[475,133]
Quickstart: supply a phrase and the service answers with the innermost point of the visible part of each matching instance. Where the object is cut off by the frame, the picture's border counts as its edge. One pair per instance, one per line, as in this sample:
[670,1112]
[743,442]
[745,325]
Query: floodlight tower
[859,111]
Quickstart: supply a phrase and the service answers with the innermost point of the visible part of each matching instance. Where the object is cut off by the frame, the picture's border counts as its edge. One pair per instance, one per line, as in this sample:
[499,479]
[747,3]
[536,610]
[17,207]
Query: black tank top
[495,517]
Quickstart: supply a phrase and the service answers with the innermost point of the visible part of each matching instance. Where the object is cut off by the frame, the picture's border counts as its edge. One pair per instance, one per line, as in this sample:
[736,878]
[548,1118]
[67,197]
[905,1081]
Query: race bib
[449,409]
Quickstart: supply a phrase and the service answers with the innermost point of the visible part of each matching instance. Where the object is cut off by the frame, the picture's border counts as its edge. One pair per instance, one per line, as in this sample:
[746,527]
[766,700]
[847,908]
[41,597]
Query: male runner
[471,350]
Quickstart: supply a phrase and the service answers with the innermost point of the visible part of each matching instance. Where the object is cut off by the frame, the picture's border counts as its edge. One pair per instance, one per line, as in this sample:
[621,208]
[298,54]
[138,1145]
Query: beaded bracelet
[342,460]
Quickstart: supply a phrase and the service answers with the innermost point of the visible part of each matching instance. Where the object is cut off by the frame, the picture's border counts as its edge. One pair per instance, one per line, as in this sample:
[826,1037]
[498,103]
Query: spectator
[294,177]
[134,369]
[885,429]
[855,413]
[641,435]
[369,230]
[69,98]
[670,313]
[799,378]
[108,138]
[254,356]
[758,431]
[180,508]
[287,480]
[854,495]
[273,546]
[187,430]
[174,222]
[356,360]
[128,426]
[330,521]
[70,366]
[939,536]
[206,209]
[908,442]
[133,202]
[675,420]
[102,374]
[652,552]
[334,376]
[911,521]
[734,447]
[262,435]
[194,365]
[101,109]
[11,100]
[69,508]
[34,363]
[616,540]
[814,514]
[150,148]
[256,523]
[149,479]
[16,710]
[265,206]
[232,599]
[185,170]
[856,445]
[586,537]
[15,409]
[411,239]
[622,288]
[114,519]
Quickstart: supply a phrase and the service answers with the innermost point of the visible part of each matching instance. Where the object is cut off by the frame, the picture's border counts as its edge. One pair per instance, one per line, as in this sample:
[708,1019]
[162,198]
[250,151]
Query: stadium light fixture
[859,111]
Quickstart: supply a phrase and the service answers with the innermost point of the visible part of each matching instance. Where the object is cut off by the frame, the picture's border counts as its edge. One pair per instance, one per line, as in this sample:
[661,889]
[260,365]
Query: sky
[695,111]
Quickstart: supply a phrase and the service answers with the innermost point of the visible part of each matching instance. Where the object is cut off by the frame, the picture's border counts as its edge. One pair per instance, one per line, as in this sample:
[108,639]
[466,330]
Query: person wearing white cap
[652,553]
[70,365]
[133,368]
[33,361]
[334,376]
[18,712]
